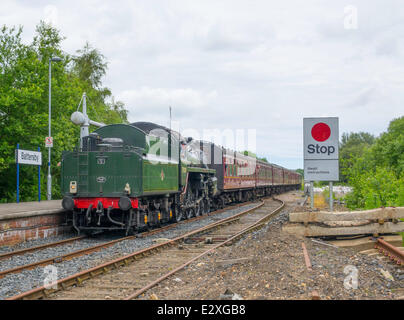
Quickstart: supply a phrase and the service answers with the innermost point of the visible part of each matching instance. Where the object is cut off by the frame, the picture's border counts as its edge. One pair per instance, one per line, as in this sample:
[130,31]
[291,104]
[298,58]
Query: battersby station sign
[321,152]
[28,157]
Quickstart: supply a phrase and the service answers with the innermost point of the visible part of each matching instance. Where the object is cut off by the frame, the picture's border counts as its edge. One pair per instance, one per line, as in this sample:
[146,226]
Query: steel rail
[197,218]
[40,247]
[91,249]
[78,278]
[63,257]
[390,251]
[255,226]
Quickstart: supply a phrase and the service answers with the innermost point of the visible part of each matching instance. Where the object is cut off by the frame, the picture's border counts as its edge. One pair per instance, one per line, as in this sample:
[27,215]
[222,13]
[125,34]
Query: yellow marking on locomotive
[145,219]
[171,213]
[159,216]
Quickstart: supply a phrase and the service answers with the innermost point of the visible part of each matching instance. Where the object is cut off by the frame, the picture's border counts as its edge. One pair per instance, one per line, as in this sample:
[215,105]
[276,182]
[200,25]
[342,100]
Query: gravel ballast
[269,264]
[34,243]
[14,284]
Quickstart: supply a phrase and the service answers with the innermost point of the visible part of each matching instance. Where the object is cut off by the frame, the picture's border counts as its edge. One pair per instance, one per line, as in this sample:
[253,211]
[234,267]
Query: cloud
[239,64]
[184,101]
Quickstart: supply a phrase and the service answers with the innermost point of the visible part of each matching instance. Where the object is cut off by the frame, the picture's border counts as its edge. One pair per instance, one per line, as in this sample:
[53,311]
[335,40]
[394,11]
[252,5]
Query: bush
[373,189]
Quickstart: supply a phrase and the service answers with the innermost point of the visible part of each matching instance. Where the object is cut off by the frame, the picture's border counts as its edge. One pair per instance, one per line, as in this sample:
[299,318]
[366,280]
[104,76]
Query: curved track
[112,281]
[90,249]
[98,247]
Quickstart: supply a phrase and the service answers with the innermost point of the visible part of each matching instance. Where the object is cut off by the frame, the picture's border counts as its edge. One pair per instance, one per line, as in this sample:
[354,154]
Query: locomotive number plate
[100,161]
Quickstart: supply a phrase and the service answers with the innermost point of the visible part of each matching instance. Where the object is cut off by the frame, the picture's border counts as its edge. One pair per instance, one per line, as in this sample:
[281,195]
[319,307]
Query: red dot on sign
[320,131]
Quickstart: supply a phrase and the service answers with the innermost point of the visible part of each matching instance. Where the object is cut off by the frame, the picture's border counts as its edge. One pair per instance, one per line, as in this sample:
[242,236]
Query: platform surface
[28,209]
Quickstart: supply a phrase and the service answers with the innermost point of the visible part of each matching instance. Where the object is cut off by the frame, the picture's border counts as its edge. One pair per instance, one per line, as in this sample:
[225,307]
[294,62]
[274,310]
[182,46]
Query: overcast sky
[260,65]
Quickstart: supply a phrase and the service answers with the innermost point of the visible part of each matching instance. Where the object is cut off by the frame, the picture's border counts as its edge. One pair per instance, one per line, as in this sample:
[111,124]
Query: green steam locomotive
[132,177]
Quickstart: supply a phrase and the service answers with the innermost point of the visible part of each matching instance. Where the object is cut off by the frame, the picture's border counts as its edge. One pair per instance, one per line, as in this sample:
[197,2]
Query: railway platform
[24,221]
[29,209]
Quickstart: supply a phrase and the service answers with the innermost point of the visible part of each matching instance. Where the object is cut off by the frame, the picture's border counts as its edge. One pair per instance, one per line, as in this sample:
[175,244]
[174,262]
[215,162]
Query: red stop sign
[320,132]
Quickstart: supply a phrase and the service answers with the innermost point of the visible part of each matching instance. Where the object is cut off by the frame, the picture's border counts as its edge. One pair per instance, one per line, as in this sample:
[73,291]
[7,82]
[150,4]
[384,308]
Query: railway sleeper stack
[369,222]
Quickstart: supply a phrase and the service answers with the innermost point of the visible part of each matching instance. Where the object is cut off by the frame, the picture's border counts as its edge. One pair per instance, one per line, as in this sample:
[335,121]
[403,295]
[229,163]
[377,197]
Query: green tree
[300,171]
[373,189]
[24,80]
[90,65]
[353,145]
[377,172]
[388,151]
[253,155]
[263,159]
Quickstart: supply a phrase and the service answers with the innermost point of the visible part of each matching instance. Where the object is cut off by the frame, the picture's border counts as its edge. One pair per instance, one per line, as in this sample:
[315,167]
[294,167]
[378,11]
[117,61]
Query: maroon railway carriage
[241,177]
[239,171]
[264,174]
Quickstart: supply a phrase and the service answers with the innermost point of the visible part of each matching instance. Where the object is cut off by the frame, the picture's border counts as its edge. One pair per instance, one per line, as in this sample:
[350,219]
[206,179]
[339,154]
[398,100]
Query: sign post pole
[312,194]
[49,145]
[331,197]
[39,179]
[18,176]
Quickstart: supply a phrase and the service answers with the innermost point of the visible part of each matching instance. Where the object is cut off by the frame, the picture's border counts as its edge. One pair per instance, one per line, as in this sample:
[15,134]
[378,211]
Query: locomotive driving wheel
[178,215]
[198,209]
[205,206]
[190,212]
[221,203]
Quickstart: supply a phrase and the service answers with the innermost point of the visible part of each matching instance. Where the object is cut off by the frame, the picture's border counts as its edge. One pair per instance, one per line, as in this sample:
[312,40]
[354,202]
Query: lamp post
[49,186]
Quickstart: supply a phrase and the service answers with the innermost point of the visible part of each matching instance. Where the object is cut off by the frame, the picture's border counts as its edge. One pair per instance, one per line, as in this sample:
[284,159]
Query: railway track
[90,249]
[14,253]
[52,259]
[130,275]
[385,250]
[390,251]
[60,258]
[139,271]
[199,245]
